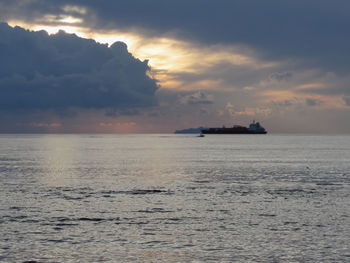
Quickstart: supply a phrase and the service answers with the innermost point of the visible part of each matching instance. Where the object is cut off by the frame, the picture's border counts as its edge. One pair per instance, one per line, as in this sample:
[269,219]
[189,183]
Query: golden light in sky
[71,29]
[166,56]
[257,72]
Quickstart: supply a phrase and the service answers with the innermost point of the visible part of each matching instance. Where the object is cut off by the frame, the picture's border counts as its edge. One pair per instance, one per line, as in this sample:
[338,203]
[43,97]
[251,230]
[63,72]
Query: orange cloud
[326,101]
[310,86]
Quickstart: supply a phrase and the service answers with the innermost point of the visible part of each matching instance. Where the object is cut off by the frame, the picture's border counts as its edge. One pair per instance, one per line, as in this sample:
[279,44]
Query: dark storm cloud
[38,71]
[314,30]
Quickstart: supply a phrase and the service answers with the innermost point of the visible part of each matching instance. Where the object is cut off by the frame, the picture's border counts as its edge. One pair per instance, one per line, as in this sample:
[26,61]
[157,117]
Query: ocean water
[174,198]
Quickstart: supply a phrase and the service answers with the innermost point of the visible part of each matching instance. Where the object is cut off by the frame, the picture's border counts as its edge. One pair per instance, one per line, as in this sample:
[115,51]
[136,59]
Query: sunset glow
[174,131]
[186,70]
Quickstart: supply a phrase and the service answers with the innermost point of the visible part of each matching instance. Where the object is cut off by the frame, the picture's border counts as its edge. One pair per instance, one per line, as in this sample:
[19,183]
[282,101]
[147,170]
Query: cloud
[281,76]
[346,100]
[40,72]
[197,98]
[278,29]
[312,102]
[280,60]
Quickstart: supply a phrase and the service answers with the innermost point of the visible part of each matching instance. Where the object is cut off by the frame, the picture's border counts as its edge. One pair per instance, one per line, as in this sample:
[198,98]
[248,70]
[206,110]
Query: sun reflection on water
[59,159]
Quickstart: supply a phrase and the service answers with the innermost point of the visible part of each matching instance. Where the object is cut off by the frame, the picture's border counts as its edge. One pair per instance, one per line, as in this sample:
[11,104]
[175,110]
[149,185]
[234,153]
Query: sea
[174,198]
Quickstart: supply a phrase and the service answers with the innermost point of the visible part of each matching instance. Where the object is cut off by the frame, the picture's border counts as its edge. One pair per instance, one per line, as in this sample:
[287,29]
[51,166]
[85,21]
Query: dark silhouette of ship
[254,128]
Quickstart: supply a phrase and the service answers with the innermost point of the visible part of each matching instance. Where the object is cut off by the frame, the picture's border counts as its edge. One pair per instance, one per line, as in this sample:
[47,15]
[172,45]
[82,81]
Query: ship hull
[231,132]
[254,128]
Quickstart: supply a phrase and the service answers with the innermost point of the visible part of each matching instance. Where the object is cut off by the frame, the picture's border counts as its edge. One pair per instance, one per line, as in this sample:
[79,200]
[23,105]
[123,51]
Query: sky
[153,66]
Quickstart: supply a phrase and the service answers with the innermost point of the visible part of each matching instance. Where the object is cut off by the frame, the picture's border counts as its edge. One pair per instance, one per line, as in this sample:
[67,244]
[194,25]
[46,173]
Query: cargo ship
[254,128]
